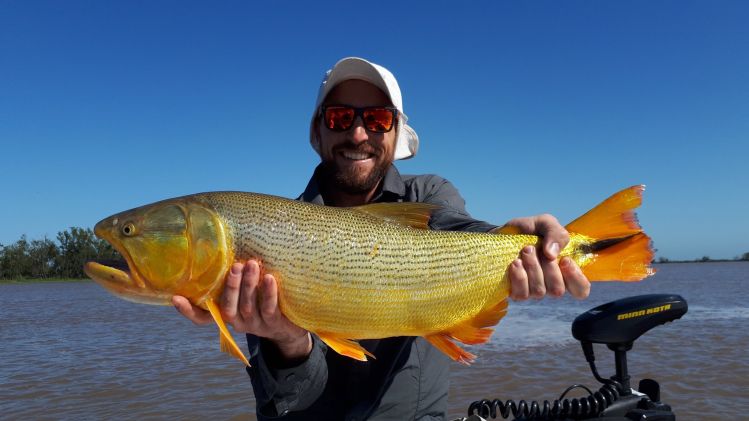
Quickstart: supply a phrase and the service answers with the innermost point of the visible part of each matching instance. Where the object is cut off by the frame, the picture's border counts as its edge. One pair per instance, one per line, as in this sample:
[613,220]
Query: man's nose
[357,132]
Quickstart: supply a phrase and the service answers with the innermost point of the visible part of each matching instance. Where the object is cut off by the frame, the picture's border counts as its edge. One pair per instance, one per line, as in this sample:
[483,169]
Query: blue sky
[528,107]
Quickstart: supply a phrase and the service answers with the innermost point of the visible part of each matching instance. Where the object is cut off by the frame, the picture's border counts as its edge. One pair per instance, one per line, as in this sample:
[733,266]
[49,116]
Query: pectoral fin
[227,342]
[345,347]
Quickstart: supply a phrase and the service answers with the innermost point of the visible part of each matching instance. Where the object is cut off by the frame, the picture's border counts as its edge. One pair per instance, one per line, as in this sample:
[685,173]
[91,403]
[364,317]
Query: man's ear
[316,127]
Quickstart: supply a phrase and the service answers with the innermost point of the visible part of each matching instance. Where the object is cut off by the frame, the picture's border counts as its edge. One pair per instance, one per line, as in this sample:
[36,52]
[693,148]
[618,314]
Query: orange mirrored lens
[340,118]
[378,119]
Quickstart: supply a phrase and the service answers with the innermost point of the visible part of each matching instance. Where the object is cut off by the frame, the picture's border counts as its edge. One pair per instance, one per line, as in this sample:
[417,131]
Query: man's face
[355,160]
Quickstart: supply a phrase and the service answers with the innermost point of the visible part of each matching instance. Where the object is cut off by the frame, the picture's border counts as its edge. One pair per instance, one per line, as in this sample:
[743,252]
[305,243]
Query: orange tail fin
[622,251]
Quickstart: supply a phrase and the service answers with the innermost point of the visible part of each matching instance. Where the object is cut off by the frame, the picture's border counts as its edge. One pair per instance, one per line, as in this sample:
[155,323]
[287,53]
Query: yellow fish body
[366,272]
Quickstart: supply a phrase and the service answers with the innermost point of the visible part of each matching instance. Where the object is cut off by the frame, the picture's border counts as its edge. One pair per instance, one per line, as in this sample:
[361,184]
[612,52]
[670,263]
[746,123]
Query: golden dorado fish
[345,274]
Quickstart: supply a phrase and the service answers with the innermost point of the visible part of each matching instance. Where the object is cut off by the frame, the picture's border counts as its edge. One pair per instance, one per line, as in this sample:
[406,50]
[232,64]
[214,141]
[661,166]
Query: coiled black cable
[589,406]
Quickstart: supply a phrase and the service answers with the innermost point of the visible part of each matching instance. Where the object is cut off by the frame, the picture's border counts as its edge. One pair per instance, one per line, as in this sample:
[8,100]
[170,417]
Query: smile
[356,156]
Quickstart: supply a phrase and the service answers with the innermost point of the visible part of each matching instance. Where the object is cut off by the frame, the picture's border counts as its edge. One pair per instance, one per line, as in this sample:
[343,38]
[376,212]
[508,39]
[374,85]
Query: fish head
[173,247]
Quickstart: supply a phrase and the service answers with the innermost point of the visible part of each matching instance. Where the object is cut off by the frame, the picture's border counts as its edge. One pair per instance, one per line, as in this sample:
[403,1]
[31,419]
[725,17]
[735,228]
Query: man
[358,128]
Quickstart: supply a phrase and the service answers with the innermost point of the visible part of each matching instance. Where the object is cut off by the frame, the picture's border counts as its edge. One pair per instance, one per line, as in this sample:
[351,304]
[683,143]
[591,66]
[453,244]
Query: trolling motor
[617,325]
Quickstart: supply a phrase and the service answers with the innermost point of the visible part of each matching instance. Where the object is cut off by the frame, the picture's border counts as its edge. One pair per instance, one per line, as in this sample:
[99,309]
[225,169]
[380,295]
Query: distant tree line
[63,258]
[743,258]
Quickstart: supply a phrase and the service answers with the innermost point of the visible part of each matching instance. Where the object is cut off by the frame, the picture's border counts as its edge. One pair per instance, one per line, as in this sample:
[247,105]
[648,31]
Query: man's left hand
[538,273]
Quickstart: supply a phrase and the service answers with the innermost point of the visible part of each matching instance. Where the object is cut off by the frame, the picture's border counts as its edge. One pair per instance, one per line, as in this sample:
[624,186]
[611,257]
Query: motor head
[622,321]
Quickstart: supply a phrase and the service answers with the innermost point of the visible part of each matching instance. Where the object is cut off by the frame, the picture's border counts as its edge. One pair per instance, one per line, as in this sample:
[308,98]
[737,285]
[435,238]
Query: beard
[351,180]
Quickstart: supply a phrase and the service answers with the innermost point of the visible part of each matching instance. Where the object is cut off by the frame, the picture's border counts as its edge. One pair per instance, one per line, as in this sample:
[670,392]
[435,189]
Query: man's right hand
[538,273]
[250,305]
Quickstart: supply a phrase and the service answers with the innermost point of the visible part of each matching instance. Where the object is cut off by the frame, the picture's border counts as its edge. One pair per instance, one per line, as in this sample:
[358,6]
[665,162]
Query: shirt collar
[393,188]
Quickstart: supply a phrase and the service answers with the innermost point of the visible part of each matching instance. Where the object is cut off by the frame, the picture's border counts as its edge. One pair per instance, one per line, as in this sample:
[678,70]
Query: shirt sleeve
[279,391]
[452,215]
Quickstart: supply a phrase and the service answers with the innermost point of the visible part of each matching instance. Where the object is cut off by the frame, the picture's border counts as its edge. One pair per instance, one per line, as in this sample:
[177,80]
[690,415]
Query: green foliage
[745,256]
[41,259]
[42,256]
[15,261]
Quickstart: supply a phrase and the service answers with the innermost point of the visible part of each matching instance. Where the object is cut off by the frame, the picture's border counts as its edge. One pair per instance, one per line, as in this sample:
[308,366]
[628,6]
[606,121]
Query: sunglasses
[339,118]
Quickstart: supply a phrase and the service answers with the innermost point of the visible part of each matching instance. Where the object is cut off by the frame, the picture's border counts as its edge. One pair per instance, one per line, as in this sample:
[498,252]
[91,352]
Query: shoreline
[41,280]
[699,261]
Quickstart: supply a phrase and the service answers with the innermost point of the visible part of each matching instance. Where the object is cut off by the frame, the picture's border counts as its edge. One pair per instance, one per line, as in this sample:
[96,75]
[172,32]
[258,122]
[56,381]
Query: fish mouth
[119,264]
[116,277]
[109,271]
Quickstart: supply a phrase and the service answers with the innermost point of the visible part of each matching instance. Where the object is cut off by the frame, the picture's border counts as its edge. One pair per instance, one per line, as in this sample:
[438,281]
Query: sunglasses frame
[359,112]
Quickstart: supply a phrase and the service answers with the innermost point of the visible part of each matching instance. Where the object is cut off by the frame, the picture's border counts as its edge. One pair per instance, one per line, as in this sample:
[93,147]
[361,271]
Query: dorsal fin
[411,214]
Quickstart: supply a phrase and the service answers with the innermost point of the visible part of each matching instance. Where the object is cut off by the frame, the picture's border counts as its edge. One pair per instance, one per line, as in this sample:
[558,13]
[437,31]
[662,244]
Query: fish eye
[128,229]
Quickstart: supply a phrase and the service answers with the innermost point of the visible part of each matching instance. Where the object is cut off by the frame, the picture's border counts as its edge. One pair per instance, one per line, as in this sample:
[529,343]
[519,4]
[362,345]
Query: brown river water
[71,351]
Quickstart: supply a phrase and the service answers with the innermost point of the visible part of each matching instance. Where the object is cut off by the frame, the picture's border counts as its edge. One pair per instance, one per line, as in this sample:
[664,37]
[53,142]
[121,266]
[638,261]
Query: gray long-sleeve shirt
[409,378]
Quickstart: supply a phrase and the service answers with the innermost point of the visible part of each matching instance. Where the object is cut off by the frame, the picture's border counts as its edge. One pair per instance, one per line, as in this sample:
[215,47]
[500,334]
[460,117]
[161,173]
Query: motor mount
[616,324]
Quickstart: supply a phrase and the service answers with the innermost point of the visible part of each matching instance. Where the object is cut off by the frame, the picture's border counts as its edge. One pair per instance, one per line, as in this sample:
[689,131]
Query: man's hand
[536,274]
[250,305]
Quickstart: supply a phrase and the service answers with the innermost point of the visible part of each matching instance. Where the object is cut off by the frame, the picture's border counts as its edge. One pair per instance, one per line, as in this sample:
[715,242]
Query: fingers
[553,279]
[536,276]
[518,281]
[574,279]
[238,301]
[553,235]
[269,305]
[230,296]
[542,272]
[531,277]
[250,300]
[536,284]
[195,314]
[248,291]
[245,310]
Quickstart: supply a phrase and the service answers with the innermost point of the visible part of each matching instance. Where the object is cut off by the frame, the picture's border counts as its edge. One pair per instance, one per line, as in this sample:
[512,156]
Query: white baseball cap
[348,68]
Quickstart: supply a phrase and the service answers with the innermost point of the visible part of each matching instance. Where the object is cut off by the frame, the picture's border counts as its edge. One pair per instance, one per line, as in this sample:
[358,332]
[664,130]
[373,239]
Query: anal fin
[225,339]
[476,330]
[345,347]
[491,315]
[443,342]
